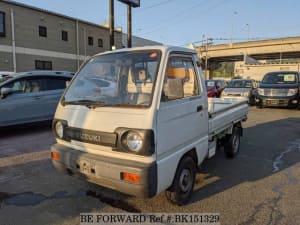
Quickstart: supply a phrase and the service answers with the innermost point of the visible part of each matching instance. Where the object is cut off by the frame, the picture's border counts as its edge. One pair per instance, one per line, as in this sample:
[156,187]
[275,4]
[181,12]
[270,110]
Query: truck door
[182,119]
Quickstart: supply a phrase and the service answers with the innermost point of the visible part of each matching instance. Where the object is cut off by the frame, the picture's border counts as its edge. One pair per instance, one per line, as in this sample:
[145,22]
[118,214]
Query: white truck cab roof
[163,48]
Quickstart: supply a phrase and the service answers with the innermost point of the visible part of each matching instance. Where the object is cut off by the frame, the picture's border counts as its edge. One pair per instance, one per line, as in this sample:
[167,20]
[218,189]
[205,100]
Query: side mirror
[5,91]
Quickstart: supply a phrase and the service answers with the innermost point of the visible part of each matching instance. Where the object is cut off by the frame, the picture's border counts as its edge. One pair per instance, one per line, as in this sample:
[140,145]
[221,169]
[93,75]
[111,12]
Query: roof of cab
[163,48]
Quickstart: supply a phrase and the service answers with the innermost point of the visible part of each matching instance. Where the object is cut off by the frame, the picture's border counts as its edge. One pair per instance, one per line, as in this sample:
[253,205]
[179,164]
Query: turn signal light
[55,155]
[131,177]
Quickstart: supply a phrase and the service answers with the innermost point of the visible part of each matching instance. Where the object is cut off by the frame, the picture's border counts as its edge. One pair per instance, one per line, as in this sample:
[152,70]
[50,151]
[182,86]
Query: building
[138,41]
[258,70]
[36,39]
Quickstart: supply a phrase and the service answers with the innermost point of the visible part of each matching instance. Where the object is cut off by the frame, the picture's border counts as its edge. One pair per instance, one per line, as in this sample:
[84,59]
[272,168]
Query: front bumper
[107,171]
[288,101]
[242,98]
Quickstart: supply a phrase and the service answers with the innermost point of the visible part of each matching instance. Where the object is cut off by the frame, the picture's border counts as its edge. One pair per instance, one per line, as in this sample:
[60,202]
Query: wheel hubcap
[236,143]
[185,180]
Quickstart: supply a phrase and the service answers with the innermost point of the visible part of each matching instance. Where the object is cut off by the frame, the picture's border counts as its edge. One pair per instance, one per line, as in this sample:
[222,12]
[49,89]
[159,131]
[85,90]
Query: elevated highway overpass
[281,48]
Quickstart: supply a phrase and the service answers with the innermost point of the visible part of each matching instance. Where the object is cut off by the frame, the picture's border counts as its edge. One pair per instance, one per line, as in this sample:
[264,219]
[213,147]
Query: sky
[179,22]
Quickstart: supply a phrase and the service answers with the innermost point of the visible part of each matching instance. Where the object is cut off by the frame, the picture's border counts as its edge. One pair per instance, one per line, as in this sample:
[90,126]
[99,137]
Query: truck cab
[136,121]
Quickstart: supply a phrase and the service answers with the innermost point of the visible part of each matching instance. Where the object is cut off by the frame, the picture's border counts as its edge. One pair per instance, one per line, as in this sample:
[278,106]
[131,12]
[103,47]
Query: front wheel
[232,145]
[182,188]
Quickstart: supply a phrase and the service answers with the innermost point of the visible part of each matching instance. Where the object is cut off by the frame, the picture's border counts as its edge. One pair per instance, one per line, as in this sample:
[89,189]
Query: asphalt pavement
[260,186]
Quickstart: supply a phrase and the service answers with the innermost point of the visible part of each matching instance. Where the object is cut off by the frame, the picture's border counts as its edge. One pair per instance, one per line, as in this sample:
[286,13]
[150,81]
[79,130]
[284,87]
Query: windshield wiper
[87,103]
[94,104]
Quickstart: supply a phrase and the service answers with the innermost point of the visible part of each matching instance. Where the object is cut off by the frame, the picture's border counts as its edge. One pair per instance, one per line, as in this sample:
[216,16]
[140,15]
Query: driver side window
[180,79]
[18,86]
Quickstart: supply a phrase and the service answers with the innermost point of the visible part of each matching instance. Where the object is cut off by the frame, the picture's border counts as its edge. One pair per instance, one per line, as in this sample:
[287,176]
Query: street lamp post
[248,31]
[234,13]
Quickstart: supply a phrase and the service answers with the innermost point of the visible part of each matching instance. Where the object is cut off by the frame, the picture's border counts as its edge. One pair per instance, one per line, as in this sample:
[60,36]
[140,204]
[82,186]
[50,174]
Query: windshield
[116,79]
[280,78]
[240,84]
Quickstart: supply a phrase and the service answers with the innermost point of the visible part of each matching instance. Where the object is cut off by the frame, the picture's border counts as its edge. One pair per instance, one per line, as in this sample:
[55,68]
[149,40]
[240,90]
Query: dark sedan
[279,89]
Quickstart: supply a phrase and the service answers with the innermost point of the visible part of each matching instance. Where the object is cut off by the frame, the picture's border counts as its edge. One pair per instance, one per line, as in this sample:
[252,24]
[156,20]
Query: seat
[139,91]
[137,81]
[143,99]
[176,73]
[186,76]
[35,87]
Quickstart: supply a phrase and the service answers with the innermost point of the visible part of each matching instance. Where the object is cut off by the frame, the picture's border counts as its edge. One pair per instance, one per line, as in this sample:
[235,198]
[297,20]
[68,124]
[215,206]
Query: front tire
[182,188]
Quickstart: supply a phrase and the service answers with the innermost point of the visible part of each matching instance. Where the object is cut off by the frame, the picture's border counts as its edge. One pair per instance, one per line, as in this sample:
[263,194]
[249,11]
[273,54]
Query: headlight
[246,94]
[59,129]
[292,91]
[134,141]
[260,91]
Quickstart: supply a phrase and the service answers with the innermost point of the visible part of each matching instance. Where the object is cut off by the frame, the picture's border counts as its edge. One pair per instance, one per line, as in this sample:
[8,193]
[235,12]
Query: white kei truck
[139,121]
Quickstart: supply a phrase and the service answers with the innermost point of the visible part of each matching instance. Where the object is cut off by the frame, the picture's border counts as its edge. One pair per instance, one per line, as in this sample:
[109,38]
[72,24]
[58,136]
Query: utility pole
[111,25]
[206,59]
[207,73]
[129,27]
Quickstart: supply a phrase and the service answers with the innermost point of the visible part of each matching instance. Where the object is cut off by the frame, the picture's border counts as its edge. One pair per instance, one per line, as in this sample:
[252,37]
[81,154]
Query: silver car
[241,88]
[31,96]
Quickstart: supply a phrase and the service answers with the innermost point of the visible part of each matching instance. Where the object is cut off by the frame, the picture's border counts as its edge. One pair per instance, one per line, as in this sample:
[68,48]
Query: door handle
[199,108]
[37,97]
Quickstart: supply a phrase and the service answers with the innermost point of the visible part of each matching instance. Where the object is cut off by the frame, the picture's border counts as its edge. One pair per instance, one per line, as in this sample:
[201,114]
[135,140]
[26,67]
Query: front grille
[276,92]
[234,95]
[90,136]
[275,102]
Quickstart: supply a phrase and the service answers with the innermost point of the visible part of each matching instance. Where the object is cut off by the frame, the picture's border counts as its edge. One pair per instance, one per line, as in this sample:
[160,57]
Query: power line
[180,18]
[154,5]
[139,10]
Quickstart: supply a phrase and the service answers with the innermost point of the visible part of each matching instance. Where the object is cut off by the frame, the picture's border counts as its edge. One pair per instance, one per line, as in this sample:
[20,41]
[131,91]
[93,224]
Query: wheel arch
[191,153]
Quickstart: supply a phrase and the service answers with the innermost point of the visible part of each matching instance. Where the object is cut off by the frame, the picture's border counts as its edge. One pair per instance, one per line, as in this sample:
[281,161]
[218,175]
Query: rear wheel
[252,101]
[182,188]
[232,144]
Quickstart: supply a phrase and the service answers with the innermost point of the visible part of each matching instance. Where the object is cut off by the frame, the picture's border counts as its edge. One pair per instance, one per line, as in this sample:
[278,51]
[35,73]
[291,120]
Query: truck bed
[225,112]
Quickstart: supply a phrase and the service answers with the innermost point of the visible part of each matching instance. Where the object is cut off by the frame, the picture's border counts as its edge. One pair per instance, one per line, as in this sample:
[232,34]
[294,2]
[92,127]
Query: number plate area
[272,102]
[86,167]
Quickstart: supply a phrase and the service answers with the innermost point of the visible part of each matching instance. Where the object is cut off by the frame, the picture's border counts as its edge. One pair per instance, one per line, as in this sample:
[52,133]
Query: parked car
[279,88]
[2,79]
[6,73]
[31,97]
[214,88]
[241,88]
